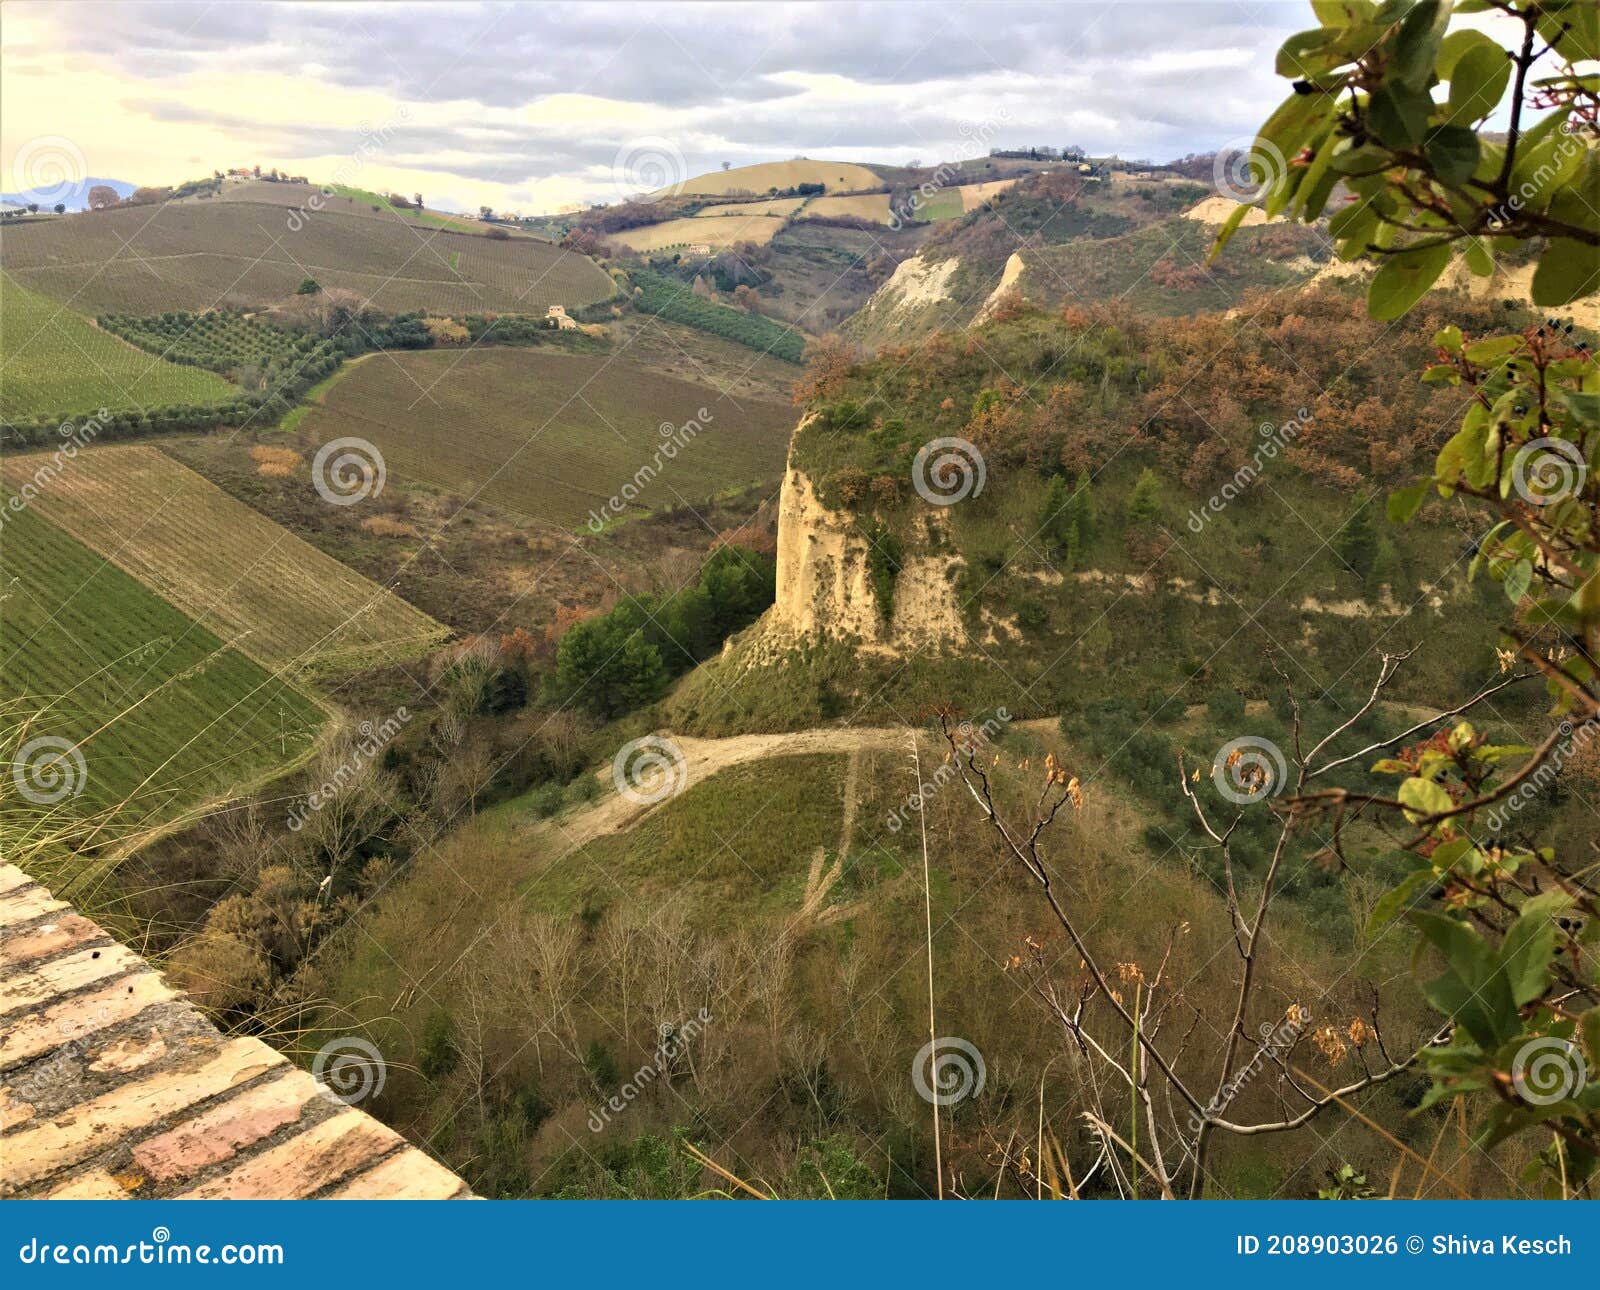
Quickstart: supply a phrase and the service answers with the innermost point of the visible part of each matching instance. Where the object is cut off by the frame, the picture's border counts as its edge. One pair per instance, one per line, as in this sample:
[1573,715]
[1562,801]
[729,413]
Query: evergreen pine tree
[1144,503]
[1083,501]
[1356,544]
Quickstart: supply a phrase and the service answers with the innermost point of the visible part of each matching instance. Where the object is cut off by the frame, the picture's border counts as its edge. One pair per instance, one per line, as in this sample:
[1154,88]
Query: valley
[672,671]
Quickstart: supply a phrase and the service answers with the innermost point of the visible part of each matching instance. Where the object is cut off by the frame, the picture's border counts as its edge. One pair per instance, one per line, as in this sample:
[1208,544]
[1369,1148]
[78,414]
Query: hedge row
[670,299]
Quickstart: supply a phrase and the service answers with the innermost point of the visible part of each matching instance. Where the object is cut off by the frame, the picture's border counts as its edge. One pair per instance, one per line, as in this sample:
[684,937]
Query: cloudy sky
[533,107]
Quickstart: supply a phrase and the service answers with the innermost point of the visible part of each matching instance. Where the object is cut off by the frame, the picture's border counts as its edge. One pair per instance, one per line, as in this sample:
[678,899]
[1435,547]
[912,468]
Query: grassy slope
[54,361]
[839,176]
[1163,269]
[1254,574]
[714,846]
[164,713]
[548,435]
[856,979]
[200,255]
[713,230]
[246,578]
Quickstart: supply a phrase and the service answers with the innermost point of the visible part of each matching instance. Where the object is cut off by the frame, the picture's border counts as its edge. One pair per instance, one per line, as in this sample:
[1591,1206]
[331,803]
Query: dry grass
[388,526]
[873,206]
[275,463]
[771,206]
[717,230]
[974,195]
[838,176]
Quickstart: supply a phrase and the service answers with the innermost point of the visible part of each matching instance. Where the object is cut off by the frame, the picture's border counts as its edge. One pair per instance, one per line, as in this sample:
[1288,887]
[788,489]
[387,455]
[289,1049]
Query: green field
[717,844]
[55,362]
[163,714]
[944,204]
[548,436]
[673,300]
[220,254]
[258,586]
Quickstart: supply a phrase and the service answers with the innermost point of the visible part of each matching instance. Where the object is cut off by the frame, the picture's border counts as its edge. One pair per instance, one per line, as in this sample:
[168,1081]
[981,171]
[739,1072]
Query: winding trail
[703,758]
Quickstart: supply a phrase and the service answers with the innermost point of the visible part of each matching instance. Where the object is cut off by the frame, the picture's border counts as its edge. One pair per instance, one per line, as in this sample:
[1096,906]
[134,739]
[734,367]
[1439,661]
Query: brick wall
[113,1086]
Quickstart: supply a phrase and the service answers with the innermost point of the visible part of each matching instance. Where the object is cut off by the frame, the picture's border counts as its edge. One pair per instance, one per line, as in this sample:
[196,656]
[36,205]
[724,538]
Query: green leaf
[1446,855]
[1479,258]
[1405,502]
[1455,46]
[1526,952]
[1484,352]
[1229,227]
[1404,278]
[1473,991]
[1448,339]
[1392,902]
[1478,82]
[1589,1029]
[1518,578]
[1546,159]
[1422,798]
[1417,44]
[1342,13]
[1453,152]
[1567,271]
[1399,114]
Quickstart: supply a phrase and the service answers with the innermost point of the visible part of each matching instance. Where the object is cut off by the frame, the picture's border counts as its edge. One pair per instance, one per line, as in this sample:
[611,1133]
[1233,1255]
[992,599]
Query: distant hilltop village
[1093,167]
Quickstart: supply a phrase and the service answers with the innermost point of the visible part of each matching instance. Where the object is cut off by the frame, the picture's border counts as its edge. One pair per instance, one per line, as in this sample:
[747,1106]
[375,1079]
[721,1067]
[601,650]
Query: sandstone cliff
[825,586]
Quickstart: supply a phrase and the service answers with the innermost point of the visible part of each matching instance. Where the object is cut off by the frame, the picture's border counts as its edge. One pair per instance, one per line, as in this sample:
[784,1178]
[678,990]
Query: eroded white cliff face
[825,585]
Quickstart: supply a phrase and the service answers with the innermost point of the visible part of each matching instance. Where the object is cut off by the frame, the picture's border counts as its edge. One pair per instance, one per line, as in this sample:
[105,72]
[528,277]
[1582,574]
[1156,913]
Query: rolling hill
[550,436]
[55,362]
[152,713]
[243,578]
[201,255]
[835,176]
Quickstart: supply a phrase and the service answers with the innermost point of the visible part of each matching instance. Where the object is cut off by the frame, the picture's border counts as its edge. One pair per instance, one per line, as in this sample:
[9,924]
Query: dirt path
[703,758]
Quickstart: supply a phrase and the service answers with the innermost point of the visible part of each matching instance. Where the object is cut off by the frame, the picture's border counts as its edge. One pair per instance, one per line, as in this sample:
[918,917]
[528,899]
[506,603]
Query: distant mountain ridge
[75,197]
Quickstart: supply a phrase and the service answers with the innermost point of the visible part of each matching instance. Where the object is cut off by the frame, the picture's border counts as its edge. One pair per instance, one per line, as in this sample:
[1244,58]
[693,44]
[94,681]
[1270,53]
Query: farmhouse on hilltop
[556,316]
